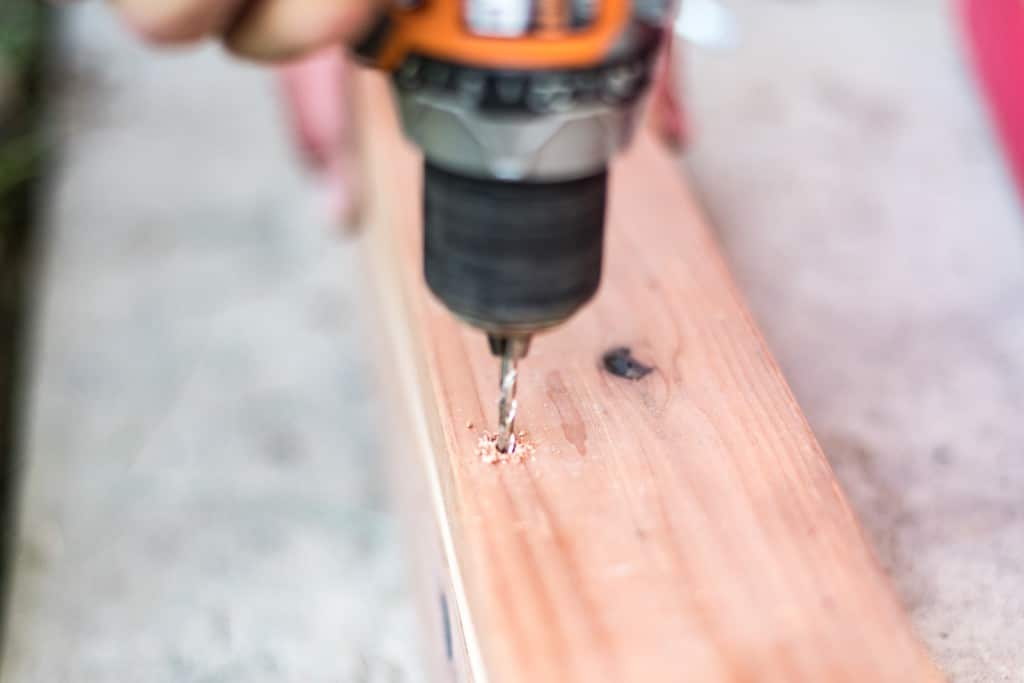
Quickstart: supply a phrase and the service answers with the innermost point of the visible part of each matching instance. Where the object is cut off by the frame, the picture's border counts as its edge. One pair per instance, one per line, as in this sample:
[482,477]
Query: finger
[282,29]
[316,95]
[317,90]
[177,21]
[668,116]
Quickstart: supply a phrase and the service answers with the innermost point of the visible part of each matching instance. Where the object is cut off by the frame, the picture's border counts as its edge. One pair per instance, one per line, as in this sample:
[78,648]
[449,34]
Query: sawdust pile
[487,449]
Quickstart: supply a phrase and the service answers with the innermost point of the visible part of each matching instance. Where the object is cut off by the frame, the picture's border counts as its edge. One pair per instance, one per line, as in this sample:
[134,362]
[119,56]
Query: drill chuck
[513,257]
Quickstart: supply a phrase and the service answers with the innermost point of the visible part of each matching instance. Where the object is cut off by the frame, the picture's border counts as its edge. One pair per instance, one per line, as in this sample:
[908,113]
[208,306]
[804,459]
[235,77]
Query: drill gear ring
[616,83]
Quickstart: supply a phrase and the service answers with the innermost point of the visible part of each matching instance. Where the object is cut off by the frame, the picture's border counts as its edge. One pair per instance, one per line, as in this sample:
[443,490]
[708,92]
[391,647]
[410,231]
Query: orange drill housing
[438,29]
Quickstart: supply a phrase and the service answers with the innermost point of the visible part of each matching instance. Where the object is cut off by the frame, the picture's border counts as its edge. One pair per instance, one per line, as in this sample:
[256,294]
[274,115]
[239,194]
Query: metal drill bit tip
[506,442]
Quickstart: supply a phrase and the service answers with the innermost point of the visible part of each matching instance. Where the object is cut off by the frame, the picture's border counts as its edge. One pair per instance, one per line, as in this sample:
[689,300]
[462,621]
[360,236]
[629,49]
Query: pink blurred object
[319,102]
[995,32]
[668,117]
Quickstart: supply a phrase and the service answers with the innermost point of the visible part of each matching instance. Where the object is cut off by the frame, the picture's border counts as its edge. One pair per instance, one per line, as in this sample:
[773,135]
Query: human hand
[266,30]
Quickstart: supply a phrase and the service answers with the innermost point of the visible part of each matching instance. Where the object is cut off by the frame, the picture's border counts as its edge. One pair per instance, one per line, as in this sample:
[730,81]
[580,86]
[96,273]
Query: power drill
[518,107]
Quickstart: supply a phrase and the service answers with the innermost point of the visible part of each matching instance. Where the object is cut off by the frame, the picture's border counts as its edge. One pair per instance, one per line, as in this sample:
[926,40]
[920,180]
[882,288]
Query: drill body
[518,107]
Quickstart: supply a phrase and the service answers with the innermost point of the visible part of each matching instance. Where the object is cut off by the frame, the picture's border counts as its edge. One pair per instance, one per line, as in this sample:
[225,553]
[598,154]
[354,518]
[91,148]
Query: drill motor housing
[518,107]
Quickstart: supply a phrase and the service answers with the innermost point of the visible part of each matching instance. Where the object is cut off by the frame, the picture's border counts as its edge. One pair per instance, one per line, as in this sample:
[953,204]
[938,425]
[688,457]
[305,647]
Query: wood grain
[683,527]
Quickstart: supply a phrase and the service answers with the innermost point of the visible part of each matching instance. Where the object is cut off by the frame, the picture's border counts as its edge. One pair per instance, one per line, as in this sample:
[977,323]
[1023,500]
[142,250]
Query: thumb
[275,30]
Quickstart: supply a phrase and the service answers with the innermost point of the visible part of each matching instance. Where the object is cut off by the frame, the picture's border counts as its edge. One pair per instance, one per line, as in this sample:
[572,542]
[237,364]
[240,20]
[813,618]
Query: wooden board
[683,527]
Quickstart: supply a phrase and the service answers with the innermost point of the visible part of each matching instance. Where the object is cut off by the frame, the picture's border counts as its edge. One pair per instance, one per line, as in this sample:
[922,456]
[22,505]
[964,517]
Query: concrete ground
[203,501]
[861,199]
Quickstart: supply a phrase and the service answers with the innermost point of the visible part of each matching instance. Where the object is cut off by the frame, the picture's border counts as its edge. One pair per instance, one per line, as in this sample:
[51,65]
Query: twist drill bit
[507,402]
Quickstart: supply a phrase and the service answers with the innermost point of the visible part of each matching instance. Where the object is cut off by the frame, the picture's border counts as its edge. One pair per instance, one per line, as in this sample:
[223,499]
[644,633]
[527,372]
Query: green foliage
[21,36]
[20,33]
[21,39]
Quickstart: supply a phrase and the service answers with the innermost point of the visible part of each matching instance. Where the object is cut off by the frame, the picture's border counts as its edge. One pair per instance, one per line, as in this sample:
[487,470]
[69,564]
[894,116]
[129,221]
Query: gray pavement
[858,192]
[203,500]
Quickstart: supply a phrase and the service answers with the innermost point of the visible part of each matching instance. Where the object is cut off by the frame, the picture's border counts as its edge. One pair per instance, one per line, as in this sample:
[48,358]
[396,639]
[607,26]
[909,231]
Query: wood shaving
[487,449]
